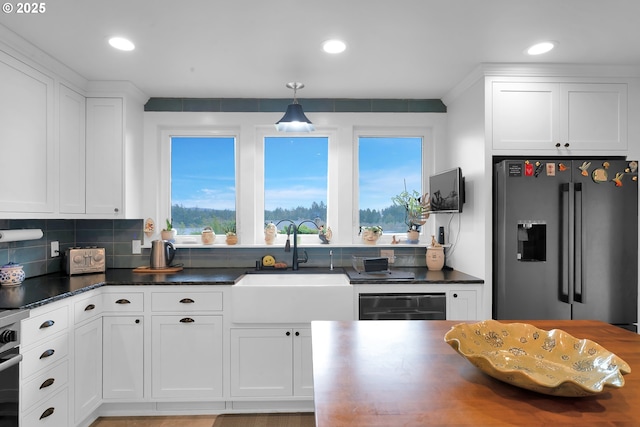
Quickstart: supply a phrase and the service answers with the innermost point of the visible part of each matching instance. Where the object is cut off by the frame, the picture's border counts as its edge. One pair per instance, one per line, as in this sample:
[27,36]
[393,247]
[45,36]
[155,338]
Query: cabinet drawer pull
[187,301]
[47,324]
[47,353]
[123,301]
[89,307]
[187,320]
[47,383]
[48,412]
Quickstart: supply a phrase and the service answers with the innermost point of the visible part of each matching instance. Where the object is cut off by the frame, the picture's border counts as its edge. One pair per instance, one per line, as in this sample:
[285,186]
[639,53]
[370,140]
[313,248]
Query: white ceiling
[251,48]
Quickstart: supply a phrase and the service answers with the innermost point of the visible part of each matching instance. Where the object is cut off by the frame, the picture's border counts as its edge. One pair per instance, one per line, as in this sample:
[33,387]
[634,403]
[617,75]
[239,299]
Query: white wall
[470,231]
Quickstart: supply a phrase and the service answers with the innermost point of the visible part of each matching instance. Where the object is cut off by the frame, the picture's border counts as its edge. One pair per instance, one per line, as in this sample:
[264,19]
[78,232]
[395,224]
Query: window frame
[165,178]
[427,167]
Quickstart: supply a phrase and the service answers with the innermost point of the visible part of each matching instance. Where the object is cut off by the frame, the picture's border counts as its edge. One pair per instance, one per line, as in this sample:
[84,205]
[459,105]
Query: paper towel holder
[21,234]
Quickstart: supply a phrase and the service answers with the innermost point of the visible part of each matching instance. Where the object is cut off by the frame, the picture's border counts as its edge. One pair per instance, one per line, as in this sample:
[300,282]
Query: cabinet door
[462,305]
[26,138]
[524,115]
[72,151]
[302,362]
[261,362]
[87,364]
[104,156]
[123,359]
[594,116]
[186,357]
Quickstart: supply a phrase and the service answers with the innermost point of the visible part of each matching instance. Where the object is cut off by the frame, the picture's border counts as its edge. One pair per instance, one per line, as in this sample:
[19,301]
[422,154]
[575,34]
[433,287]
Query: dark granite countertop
[42,290]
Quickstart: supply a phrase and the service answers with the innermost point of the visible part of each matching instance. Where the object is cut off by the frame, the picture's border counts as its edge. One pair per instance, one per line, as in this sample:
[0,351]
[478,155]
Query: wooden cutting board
[147,269]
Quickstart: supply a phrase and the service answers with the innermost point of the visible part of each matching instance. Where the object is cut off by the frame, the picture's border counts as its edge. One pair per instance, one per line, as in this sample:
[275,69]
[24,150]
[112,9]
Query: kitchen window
[386,164]
[203,183]
[295,181]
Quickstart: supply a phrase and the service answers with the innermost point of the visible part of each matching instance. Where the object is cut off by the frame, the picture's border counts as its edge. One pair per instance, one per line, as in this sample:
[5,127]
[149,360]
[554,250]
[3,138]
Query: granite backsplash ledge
[116,237]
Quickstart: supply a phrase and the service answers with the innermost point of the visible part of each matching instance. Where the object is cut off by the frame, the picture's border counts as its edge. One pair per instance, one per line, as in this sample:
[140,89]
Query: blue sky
[295,171]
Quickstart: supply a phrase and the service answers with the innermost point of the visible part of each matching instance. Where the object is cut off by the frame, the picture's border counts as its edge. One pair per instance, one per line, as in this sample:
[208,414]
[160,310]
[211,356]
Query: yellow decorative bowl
[550,362]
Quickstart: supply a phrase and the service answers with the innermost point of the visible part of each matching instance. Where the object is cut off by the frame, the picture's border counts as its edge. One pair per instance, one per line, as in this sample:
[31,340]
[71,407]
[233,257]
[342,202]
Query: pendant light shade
[294,119]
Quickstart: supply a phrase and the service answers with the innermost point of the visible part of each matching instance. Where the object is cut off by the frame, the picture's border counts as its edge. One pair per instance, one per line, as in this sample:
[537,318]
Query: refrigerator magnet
[618,179]
[551,169]
[528,169]
[600,175]
[633,166]
[562,167]
[585,168]
[539,168]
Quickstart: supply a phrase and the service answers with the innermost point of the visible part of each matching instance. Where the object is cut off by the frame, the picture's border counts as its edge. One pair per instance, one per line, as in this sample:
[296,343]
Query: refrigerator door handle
[565,268]
[578,286]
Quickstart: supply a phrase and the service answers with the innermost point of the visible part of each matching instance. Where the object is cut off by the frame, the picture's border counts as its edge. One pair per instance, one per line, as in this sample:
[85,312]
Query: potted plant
[169,233]
[370,234]
[416,208]
[230,232]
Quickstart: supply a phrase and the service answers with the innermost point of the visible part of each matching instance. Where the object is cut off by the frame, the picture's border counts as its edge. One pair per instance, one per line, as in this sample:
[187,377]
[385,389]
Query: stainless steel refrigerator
[566,240]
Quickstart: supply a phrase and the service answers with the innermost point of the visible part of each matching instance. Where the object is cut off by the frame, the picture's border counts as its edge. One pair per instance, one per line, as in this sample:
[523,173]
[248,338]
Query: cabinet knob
[297,333]
[48,412]
[566,145]
[116,210]
[186,301]
[89,307]
[47,324]
[557,145]
[123,301]
[288,333]
[187,320]
[137,320]
[455,295]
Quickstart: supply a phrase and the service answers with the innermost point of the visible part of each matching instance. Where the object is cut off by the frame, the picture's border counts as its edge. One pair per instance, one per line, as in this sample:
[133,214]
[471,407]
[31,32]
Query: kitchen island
[403,373]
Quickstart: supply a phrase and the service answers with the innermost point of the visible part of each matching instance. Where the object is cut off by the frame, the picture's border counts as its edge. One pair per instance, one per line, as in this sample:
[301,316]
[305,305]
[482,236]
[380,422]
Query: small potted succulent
[230,232]
[169,233]
[370,234]
[416,207]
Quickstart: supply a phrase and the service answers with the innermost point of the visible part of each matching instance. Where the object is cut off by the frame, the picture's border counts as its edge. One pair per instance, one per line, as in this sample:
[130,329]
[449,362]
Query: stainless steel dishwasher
[402,306]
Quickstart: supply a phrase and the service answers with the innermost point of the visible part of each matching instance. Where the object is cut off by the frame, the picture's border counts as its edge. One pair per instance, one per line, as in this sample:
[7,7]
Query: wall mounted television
[446,191]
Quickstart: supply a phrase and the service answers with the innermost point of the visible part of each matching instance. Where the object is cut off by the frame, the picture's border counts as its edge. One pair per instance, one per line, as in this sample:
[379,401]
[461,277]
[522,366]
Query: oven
[10,358]
[402,306]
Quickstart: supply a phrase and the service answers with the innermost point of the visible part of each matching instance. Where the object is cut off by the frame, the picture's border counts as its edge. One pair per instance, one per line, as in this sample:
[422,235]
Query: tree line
[193,218]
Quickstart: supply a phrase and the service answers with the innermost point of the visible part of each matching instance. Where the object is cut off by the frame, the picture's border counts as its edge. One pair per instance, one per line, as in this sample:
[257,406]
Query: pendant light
[294,119]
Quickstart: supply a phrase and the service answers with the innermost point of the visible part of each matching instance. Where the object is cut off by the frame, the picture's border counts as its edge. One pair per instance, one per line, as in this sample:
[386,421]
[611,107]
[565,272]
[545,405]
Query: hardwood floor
[172,421]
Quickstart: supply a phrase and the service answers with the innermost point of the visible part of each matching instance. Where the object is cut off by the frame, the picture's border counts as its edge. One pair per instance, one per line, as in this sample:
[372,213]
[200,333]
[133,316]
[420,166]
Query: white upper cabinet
[26,138]
[72,151]
[105,135]
[564,117]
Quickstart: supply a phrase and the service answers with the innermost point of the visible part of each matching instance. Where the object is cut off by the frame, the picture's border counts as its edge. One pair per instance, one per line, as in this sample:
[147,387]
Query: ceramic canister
[435,258]
[11,274]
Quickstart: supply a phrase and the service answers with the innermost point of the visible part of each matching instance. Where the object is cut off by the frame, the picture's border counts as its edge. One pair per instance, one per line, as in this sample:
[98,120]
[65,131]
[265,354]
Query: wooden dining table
[403,373]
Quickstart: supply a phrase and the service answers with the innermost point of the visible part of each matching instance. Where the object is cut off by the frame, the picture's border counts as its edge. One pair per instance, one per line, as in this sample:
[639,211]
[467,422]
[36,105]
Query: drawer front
[44,326]
[44,355]
[43,385]
[186,301]
[87,308]
[53,412]
[123,302]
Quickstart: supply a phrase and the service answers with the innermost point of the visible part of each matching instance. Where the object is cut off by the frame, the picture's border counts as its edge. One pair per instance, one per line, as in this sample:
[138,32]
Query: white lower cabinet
[123,357]
[269,362]
[186,356]
[87,367]
[462,305]
[52,413]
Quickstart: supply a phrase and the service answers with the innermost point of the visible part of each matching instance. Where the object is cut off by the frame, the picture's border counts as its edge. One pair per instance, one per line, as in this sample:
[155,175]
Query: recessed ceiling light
[540,48]
[121,43]
[334,46]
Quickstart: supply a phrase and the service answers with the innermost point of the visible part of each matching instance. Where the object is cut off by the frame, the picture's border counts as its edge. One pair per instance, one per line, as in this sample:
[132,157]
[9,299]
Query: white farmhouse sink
[292,298]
